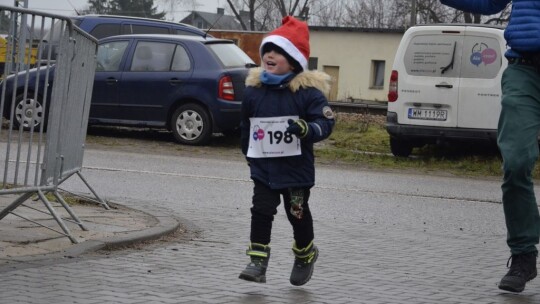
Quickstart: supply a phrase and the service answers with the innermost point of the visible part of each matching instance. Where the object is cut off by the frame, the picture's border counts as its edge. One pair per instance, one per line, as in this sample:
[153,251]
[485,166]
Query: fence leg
[56,217]
[19,201]
[101,201]
[68,209]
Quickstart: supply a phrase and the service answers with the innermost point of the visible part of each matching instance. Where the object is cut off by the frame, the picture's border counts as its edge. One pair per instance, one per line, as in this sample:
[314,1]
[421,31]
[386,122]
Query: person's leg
[302,227]
[297,208]
[519,124]
[265,202]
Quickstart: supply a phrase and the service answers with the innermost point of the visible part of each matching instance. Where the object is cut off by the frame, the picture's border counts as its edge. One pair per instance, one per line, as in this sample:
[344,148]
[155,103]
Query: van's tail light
[226,89]
[393,87]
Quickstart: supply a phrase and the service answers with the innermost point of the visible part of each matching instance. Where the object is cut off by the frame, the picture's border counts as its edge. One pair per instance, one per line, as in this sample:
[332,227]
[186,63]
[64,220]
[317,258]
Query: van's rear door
[481,70]
[429,89]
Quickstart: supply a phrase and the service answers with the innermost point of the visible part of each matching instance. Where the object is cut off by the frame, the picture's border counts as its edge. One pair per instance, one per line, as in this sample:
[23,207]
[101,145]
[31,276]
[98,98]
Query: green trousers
[519,124]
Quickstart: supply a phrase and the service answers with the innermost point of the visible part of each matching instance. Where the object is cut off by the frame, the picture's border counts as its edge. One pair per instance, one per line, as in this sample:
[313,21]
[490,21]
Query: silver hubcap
[189,125]
[29,113]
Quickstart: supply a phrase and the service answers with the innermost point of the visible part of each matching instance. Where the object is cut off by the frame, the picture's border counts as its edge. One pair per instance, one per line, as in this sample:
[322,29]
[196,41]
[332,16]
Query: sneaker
[255,271]
[304,263]
[522,270]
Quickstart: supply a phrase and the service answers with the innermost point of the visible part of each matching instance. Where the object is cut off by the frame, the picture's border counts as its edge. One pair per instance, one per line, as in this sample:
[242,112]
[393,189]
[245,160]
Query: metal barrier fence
[43,127]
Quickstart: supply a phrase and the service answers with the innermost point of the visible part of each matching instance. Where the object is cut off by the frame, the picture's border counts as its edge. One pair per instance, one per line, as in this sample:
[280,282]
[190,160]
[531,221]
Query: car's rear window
[469,56]
[434,55]
[230,55]
[482,57]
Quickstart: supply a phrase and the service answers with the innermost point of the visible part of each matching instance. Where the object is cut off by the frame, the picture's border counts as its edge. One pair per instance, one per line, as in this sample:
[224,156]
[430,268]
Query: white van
[445,85]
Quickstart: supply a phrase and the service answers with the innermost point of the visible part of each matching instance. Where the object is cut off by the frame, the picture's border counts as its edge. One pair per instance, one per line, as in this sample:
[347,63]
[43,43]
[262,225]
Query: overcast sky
[65,7]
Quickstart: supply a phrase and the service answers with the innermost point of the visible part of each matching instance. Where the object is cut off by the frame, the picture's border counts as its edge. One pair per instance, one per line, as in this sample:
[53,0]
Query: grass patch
[362,140]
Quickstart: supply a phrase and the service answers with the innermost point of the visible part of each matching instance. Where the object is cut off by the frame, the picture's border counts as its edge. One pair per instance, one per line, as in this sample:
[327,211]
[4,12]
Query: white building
[358,59]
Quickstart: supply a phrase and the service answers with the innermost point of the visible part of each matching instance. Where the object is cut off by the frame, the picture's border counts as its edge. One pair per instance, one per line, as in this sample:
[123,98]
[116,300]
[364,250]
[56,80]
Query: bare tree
[354,13]
[267,14]
[327,13]
[172,6]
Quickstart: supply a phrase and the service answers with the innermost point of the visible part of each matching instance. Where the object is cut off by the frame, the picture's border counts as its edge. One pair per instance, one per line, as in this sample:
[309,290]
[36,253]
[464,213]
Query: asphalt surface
[383,237]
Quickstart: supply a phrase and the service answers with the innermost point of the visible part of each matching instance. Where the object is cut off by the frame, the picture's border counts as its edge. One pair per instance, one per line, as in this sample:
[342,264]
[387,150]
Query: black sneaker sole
[246,277]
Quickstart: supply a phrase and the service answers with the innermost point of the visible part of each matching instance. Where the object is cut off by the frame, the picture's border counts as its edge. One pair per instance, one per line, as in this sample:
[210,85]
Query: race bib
[269,138]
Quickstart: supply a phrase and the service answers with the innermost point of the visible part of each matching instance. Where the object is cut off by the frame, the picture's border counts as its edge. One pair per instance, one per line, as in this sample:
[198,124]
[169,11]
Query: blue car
[189,85]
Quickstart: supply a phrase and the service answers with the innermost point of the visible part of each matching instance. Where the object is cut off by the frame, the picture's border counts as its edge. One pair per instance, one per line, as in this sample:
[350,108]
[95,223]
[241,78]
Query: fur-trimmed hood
[305,79]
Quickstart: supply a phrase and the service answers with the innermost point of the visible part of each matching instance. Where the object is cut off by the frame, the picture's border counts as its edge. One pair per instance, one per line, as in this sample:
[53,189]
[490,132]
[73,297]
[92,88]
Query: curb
[166,224]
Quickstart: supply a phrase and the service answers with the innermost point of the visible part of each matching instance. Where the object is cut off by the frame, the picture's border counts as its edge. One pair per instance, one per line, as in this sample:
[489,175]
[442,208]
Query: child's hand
[299,128]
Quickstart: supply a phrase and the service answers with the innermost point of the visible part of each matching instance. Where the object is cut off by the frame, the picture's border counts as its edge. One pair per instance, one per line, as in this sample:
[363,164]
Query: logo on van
[481,52]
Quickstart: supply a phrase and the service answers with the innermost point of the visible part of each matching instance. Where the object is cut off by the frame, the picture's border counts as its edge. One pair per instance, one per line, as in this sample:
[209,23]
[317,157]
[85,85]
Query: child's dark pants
[265,203]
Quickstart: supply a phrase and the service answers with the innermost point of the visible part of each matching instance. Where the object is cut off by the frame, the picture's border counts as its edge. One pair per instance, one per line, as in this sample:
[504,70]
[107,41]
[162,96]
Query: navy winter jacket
[302,96]
[522,33]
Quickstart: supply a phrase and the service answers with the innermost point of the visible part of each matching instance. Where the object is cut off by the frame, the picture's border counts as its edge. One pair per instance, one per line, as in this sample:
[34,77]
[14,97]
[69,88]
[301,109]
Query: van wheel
[191,125]
[29,113]
[400,148]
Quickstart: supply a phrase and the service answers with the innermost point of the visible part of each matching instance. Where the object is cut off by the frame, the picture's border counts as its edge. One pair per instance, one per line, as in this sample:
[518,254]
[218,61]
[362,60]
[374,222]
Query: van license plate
[427,114]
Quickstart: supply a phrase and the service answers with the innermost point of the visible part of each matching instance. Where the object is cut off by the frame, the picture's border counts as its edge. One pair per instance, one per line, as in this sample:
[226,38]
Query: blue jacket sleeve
[319,117]
[485,7]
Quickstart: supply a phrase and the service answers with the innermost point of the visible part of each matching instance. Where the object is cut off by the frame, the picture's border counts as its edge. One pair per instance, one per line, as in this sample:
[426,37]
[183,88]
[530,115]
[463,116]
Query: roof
[355,29]
[171,37]
[495,26]
[97,16]
[218,21]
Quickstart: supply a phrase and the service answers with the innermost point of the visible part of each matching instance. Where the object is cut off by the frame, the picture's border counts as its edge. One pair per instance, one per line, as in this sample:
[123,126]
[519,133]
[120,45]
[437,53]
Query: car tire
[191,125]
[400,148]
[29,113]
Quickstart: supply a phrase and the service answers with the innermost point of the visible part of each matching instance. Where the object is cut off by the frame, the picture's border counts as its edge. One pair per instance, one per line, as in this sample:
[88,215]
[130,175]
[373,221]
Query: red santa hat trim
[293,37]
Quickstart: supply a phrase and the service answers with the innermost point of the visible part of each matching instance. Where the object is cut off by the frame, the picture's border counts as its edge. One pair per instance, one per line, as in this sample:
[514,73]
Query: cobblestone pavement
[383,238]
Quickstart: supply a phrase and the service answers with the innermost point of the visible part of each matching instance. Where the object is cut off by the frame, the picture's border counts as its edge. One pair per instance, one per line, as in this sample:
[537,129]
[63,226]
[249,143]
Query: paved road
[384,238]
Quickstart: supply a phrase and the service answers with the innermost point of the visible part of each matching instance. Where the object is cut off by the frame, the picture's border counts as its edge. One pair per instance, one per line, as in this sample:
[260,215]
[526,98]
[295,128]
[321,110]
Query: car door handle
[111,80]
[174,81]
[444,85]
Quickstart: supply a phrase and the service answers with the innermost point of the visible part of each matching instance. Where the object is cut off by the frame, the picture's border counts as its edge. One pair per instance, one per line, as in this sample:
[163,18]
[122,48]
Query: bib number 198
[278,136]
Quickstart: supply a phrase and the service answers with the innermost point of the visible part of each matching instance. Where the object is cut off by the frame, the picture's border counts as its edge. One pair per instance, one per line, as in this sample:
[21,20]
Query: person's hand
[299,128]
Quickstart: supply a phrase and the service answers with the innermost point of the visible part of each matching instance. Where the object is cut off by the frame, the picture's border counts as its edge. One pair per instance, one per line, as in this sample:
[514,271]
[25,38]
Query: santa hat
[293,37]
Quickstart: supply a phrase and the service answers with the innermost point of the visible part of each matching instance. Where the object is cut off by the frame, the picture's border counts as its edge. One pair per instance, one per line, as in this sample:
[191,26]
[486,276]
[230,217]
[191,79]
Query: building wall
[352,53]
[347,54]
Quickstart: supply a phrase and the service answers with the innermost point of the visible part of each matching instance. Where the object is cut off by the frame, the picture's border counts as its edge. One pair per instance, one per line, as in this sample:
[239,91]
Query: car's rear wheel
[29,112]
[191,125]
[400,147]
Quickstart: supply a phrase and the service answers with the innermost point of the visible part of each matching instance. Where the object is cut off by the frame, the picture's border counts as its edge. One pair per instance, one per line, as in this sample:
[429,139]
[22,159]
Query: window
[145,29]
[105,30]
[377,75]
[313,63]
[109,56]
[481,57]
[433,55]
[181,60]
[152,56]
[230,55]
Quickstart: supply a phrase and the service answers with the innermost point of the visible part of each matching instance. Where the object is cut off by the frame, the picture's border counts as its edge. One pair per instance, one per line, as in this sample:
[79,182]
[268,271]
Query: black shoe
[304,263]
[522,270]
[256,270]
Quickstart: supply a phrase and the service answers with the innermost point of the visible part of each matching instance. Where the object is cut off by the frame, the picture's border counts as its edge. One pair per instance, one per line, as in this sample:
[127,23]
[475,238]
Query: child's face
[276,63]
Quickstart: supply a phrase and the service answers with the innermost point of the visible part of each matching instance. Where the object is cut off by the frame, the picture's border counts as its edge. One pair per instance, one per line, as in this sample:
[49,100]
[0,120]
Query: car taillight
[393,87]
[226,89]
